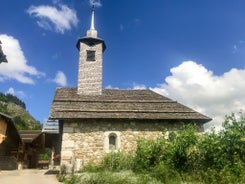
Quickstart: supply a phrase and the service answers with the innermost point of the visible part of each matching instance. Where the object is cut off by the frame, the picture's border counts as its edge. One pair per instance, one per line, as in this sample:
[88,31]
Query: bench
[43,164]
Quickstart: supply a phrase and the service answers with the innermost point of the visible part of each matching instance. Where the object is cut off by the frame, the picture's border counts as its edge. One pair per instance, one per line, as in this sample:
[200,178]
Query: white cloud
[197,87]
[133,23]
[59,19]
[138,86]
[238,47]
[17,67]
[111,87]
[20,94]
[60,79]
[135,86]
[96,3]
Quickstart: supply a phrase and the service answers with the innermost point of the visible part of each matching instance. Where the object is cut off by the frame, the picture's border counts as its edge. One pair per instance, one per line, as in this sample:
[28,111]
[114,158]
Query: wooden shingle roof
[120,104]
[28,136]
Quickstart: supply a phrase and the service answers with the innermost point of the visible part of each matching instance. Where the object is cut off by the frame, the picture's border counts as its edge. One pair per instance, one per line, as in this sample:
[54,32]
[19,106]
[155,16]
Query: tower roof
[91,37]
[90,41]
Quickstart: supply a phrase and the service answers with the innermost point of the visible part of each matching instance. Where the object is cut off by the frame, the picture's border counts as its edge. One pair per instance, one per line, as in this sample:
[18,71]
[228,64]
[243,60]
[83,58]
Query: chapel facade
[95,121]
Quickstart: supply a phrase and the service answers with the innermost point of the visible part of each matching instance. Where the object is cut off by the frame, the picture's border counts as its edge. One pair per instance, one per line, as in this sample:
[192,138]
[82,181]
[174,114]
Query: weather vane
[93,5]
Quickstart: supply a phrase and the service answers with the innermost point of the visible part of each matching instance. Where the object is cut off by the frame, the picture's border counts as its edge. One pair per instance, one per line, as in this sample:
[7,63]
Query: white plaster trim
[106,140]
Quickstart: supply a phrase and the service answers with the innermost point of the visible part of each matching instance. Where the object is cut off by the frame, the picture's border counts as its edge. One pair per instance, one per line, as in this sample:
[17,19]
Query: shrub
[148,153]
[63,173]
[117,161]
[114,161]
[73,179]
[165,174]
[180,149]
[174,152]
[123,177]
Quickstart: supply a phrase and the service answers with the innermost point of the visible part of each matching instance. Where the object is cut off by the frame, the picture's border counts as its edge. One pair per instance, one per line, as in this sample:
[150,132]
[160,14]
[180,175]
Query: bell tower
[91,49]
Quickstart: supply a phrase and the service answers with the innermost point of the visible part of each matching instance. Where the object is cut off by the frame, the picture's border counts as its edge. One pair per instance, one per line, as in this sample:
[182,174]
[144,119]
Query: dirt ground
[28,176]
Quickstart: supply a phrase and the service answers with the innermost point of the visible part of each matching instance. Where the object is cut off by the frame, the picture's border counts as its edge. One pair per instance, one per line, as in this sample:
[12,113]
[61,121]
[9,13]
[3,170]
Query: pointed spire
[92,19]
[92,32]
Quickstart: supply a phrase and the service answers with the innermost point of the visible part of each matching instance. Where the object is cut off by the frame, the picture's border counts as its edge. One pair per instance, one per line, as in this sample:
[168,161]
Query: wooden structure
[3,128]
[11,144]
[33,146]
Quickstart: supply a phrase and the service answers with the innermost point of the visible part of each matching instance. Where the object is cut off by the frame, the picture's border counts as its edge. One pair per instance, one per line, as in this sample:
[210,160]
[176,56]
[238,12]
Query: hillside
[12,106]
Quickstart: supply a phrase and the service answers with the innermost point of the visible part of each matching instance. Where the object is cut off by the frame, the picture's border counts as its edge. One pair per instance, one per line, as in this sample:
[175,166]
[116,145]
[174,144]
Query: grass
[110,177]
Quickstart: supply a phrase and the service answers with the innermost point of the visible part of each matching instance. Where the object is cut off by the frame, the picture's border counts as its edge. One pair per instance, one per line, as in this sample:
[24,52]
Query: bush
[123,177]
[117,161]
[114,161]
[165,174]
[63,174]
[148,153]
[73,179]
[174,152]
[46,155]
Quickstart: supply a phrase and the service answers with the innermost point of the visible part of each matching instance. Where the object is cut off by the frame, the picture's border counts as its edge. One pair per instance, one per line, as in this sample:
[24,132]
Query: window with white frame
[112,141]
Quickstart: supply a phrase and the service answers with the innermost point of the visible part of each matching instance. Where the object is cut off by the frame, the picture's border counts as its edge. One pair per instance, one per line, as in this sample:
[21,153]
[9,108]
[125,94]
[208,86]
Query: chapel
[94,121]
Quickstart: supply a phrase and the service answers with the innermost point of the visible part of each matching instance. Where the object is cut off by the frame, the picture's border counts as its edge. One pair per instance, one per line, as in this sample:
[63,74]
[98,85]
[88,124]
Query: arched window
[112,142]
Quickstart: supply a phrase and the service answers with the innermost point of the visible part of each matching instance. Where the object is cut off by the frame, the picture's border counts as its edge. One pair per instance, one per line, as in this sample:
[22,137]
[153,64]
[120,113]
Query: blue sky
[191,51]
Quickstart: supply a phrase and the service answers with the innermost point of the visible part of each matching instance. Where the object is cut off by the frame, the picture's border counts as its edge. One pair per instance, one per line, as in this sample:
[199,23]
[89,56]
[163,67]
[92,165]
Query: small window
[112,142]
[90,55]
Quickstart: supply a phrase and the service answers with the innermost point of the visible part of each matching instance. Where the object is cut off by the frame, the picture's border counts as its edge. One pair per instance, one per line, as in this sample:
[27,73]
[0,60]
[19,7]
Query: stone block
[68,130]
[67,144]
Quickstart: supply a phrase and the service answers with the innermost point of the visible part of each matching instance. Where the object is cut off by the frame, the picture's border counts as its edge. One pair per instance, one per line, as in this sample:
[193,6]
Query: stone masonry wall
[90,72]
[87,141]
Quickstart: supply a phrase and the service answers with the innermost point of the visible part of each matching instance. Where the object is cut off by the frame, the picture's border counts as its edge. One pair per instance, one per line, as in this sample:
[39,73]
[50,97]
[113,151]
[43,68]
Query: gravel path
[28,176]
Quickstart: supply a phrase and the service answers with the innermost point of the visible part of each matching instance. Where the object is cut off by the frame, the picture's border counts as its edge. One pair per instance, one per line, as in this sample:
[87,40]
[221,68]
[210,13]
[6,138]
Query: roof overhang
[91,42]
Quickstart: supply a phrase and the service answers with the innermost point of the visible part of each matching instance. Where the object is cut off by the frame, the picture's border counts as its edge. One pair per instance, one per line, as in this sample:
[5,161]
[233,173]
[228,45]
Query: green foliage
[174,152]
[123,177]
[73,179]
[13,99]
[165,174]
[186,156]
[114,161]
[46,155]
[26,122]
[180,149]
[225,149]
[148,153]
[4,108]
[61,177]
[14,107]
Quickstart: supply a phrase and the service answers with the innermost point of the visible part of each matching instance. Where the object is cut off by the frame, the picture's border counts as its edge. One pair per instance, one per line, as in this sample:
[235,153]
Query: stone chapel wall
[88,141]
